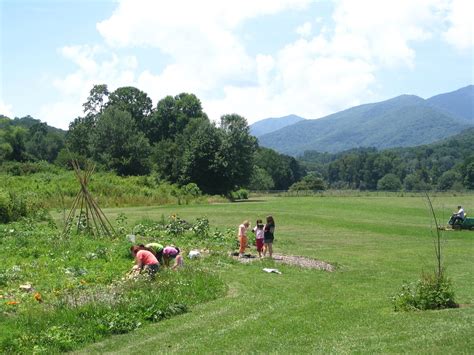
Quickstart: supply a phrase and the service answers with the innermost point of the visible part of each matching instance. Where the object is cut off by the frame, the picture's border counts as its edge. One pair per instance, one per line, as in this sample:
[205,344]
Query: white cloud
[59,114]
[305,29]
[460,16]
[387,28]
[74,88]
[167,25]
[336,68]
[6,109]
[198,36]
[317,74]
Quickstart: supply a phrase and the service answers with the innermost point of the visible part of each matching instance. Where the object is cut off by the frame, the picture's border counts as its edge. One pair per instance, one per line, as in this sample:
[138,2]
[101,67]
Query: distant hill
[459,103]
[28,122]
[403,121]
[269,125]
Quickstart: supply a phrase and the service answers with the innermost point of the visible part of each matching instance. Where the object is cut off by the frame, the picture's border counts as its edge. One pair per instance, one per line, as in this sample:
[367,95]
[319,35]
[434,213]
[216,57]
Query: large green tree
[134,101]
[96,100]
[171,116]
[12,143]
[79,136]
[237,152]
[200,161]
[283,169]
[43,144]
[119,145]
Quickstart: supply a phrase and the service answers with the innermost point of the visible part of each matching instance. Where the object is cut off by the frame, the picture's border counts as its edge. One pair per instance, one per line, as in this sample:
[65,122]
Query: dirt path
[292,260]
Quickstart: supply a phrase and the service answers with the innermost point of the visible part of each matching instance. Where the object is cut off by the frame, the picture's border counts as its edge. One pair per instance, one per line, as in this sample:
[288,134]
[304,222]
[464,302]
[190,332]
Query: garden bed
[300,261]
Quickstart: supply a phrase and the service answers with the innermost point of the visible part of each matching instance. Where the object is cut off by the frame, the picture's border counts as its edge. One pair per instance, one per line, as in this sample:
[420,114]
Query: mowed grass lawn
[377,243]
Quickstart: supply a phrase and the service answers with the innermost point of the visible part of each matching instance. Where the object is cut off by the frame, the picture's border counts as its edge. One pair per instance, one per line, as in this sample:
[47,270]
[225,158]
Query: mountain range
[269,125]
[403,121]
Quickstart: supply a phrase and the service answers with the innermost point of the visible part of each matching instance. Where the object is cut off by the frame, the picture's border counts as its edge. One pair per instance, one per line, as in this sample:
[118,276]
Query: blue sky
[260,58]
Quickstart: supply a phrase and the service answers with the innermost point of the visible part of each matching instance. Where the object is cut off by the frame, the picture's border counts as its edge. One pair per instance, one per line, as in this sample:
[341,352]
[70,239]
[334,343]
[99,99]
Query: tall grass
[57,188]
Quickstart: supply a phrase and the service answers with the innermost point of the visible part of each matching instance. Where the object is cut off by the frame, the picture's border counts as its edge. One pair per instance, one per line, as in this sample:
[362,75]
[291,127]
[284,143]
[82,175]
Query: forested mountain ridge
[459,103]
[29,122]
[403,121]
[268,125]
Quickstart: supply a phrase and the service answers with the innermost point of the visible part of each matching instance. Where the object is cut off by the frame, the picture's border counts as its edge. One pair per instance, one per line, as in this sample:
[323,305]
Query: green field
[376,243]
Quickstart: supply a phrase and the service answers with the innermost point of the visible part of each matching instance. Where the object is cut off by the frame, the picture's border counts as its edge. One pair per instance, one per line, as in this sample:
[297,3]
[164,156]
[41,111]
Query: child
[145,260]
[268,236]
[258,230]
[243,240]
[172,252]
[157,250]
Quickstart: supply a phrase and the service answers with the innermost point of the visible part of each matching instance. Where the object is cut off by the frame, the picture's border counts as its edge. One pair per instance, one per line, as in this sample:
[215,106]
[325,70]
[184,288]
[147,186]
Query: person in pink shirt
[172,252]
[145,260]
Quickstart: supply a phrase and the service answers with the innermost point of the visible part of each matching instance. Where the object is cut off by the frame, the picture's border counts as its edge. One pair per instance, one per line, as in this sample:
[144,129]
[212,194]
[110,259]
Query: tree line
[444,165]
[175,141]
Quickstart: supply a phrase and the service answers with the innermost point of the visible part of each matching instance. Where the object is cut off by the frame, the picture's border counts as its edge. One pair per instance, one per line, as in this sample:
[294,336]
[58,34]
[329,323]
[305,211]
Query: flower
[38,297]
[12,303]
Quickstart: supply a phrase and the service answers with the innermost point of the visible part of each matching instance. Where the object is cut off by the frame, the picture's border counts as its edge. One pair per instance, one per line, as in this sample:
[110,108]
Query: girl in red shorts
[258,230]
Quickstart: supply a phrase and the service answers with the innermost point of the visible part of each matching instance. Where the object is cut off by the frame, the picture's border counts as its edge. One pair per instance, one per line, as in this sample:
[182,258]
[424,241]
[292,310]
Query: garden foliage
[75,290]
[431,291]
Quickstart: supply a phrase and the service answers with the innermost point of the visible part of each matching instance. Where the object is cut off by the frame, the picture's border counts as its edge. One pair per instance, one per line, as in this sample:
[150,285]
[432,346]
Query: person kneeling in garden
[172,252]
[157,250]
[145,260]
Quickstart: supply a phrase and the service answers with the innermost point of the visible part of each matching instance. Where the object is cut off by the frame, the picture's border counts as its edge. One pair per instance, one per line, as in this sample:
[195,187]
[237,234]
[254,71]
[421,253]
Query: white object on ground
[26,287]
[194,254]
[276,271]
[131,237]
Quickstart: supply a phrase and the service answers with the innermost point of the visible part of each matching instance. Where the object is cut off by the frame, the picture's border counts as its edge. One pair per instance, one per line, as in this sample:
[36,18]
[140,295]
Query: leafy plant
[156,314]
[177,226]
[241,194]
[432,291]
[119,323]
[201,227]
[60,337]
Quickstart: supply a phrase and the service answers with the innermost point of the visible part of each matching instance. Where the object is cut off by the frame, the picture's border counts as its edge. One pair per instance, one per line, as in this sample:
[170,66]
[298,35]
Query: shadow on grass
[249,200]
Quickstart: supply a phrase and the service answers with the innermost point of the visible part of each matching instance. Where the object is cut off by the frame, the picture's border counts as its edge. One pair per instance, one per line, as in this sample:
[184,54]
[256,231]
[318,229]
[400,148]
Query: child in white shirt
[258,230]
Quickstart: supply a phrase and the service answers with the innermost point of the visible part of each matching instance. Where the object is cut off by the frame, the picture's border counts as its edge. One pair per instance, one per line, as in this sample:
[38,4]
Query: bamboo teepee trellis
[90,219]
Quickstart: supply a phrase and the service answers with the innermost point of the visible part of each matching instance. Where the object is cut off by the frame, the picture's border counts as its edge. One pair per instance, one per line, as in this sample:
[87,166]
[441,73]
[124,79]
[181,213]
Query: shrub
[15,206]
[119,323]
[429,292]
[26,168]
[201,227]
[390,182]
[241,194]
[309,182]
[5,213]
[177,227]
